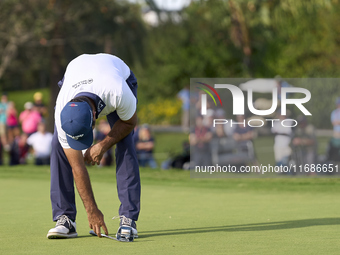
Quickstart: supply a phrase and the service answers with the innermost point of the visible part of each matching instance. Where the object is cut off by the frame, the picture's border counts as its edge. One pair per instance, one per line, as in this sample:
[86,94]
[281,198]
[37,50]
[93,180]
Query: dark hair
[82,99]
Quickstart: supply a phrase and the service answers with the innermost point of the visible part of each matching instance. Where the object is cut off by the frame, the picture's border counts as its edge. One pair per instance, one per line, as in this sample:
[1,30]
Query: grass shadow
[89,235]
[246,227]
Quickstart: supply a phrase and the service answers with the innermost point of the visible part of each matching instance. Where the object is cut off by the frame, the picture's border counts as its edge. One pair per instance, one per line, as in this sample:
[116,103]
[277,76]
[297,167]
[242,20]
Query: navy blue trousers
[127,174]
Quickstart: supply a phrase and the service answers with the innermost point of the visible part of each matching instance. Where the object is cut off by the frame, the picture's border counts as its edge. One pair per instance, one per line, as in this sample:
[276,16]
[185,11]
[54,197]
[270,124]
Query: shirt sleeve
[126,104]
[61,133]
[62,139]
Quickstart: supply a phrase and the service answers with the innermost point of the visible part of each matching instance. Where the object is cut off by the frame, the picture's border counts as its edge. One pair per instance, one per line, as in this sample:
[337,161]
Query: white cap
[28,105]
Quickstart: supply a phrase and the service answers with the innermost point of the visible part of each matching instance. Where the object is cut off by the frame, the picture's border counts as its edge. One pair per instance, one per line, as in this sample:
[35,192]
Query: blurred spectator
[29,119]
[280,84]
[283,137]
[335,118]
[209,118]
[184,96]
[41,142]
[136,132]
[304,142]
[12,121]
[198,104]
[244,135]
[333,151]
[200,139]
[102,131]
[242,132]
[144,147]
[1,158]
[219,131]
[225,130]
[3,117]
[39,105]
[19,149]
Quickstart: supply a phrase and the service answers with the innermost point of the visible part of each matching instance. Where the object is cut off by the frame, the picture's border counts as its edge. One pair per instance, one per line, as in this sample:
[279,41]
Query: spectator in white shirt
[283,138]
[41,142]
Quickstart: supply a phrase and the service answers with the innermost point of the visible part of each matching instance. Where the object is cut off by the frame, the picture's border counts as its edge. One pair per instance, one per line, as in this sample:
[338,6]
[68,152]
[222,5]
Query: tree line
[209,38]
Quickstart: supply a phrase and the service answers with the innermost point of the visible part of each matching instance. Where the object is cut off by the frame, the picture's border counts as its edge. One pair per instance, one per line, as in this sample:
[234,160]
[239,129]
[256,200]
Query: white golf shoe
[127,230]
[65,228]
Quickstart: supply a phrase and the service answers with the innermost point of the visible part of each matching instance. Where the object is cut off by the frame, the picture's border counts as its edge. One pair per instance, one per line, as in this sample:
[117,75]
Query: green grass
[179,215]
[167,145]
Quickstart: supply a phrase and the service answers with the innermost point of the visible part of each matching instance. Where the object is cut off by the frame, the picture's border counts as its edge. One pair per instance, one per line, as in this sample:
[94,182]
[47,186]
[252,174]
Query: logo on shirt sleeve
[100,106]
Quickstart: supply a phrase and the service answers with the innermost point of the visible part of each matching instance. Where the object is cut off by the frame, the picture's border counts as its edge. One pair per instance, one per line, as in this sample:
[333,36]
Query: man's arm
[119,131]
[82,180]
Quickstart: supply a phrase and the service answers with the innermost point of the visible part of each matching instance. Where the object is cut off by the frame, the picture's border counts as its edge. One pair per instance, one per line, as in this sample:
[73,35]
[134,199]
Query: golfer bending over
[94,86]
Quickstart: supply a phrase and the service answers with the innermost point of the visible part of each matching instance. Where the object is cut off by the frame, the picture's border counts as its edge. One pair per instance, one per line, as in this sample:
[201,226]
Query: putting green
[179,215]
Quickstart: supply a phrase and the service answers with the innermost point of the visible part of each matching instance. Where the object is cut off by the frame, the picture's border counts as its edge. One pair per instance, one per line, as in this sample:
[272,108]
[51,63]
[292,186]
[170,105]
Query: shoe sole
[61,236]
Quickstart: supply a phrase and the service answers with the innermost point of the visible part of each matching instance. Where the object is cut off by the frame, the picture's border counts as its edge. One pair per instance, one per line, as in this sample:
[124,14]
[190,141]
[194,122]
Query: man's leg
[62,188]
[127,174]
[127,168]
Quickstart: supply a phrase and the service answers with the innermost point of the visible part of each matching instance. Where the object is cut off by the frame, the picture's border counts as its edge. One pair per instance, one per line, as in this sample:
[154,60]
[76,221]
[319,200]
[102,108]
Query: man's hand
[94,154]
[96,221]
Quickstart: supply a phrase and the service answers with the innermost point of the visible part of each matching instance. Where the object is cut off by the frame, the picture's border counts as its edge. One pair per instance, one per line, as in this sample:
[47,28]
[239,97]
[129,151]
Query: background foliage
[209,38]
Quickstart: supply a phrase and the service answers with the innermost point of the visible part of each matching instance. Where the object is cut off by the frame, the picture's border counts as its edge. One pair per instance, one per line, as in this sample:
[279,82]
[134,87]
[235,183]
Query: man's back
[100,74]
[102,77]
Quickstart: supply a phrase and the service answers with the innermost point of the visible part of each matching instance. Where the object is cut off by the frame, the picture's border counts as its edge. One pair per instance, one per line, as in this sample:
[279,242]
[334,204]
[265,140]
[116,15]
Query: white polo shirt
[101,77]
[41,143]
